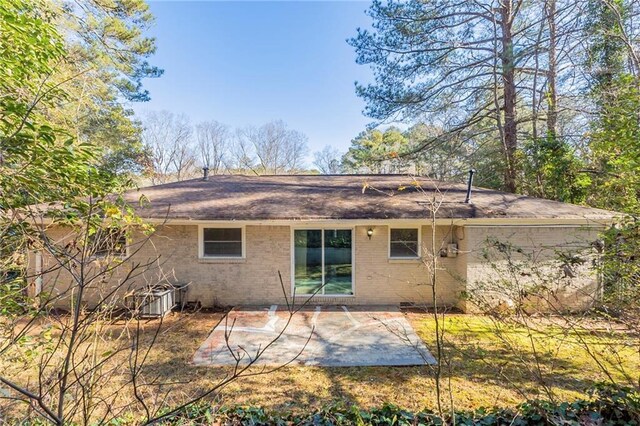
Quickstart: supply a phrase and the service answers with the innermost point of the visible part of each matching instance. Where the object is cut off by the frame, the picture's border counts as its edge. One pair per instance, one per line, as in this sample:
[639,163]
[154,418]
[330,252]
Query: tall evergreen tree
[615,88]
[432,57]
[105,63]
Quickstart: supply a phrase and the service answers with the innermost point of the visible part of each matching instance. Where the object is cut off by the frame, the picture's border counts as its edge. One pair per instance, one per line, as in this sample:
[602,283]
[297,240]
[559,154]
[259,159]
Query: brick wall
[172,255]
[383,280]
[535,267]
[252,280]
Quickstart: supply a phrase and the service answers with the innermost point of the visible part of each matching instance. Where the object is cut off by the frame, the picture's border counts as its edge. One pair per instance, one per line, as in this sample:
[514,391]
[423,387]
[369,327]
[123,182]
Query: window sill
[222,260]
[406,260]
[108,258]
[329,296]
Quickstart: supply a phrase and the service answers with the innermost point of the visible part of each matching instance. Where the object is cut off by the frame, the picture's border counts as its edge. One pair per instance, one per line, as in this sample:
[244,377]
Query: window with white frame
[404,243]
[222,242]
[109,242]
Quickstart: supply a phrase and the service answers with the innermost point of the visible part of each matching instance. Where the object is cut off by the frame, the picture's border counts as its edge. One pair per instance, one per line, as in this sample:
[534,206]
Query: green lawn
[547,358]
[484,365]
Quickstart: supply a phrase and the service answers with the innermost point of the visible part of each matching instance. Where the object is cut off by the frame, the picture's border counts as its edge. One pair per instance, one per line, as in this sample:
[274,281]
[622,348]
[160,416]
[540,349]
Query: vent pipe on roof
[469,183]
[205,173]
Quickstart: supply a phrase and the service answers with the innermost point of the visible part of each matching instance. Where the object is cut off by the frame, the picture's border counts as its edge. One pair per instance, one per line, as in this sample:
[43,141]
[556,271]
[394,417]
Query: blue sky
[246,63]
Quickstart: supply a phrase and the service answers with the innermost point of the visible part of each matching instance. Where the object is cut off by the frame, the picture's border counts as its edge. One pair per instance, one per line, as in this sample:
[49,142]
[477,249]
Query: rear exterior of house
[238,240]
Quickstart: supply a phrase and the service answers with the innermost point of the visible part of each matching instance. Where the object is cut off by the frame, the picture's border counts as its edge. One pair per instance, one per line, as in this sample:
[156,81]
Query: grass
[487,364]
[545,360]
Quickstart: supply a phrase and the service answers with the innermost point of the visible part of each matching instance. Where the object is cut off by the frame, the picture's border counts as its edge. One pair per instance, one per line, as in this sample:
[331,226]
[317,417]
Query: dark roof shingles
[305,197]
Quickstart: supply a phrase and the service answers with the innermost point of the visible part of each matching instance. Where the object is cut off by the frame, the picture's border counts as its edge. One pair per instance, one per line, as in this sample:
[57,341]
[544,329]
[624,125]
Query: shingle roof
[308,197]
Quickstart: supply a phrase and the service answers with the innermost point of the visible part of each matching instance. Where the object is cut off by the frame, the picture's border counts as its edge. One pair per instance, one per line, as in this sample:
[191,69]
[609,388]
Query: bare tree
[242,155]
[213,143]
[183,161]
[429,256]
[270,149]
[524,288]
[328,161]
[78,352]
[169,139]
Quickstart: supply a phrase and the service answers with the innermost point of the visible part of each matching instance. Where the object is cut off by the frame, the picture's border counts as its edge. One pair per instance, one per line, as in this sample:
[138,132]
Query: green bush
[607,406]
[620,267]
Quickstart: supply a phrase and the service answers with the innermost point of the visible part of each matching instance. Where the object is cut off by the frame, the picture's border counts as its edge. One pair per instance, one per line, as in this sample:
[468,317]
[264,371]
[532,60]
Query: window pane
[404,235]
[223,234]
[337,261]
[404,249]
[108,242]
[223,248]
[307,261]
[403,243]
[120,245]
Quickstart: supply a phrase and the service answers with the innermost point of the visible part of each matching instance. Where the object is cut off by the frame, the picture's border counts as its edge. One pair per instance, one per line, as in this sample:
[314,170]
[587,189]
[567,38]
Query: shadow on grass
[480,365]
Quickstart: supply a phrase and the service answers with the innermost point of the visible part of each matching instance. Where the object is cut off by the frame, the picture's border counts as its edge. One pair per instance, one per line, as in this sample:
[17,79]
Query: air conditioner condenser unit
[152,302]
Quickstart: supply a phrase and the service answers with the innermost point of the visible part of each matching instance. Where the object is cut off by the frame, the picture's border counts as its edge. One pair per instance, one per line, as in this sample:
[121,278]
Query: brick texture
[534,267]
[172,256]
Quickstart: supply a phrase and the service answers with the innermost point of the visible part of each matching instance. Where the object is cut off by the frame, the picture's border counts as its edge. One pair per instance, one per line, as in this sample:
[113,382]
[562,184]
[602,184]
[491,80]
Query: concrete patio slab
[336,336]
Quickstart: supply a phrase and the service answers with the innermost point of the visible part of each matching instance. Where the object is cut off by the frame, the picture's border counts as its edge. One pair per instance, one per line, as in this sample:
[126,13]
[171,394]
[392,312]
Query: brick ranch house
[348,239]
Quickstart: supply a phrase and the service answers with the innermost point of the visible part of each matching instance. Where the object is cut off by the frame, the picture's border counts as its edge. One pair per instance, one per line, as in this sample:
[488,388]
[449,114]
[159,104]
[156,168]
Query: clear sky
[246,63]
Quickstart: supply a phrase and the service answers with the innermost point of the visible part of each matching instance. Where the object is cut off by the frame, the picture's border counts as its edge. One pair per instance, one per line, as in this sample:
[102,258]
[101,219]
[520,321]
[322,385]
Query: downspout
[38,287]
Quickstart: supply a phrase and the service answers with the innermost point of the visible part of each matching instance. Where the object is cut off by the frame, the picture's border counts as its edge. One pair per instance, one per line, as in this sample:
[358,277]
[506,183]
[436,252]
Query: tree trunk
[510,142]
[552,112]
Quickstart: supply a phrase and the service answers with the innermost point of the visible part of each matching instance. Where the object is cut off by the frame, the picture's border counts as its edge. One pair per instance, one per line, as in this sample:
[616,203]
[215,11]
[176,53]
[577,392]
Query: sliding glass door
[338,270]
[323,261]
[308,261]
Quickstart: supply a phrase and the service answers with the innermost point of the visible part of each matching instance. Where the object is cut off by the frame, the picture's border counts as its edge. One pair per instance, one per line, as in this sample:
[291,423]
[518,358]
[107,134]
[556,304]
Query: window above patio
[404,243]
[218,242]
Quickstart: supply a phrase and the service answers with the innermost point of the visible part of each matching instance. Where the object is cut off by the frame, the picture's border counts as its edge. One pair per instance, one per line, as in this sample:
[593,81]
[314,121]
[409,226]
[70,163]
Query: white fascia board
[591,222]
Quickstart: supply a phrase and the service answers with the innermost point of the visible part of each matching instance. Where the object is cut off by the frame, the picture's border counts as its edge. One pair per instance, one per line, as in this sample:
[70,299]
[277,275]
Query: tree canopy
[542,94]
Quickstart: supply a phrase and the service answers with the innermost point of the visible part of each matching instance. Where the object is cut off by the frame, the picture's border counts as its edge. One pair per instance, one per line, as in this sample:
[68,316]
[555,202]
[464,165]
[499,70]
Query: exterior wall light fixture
[370,232]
